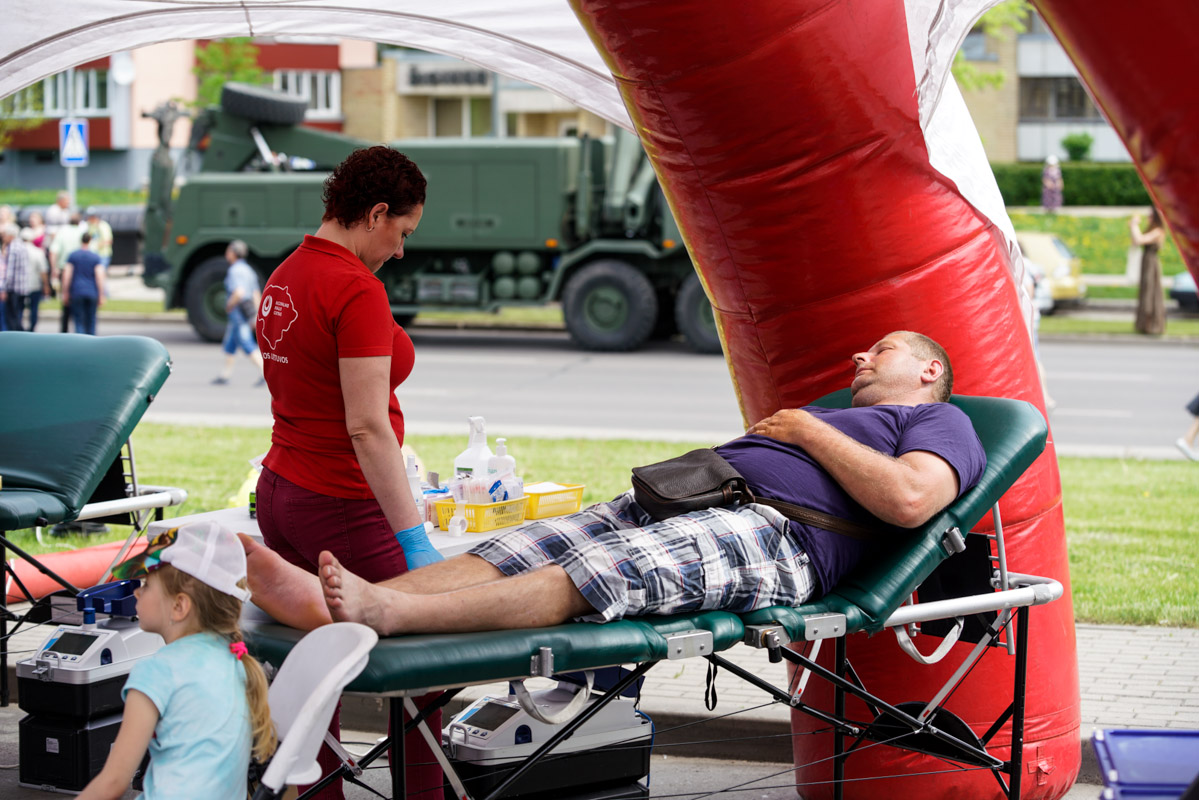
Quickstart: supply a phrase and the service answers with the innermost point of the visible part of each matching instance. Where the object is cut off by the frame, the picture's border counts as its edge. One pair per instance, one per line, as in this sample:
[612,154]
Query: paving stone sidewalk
[1130,677]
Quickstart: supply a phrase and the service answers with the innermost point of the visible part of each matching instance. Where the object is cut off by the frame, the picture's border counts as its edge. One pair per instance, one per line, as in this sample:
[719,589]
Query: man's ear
[932,372]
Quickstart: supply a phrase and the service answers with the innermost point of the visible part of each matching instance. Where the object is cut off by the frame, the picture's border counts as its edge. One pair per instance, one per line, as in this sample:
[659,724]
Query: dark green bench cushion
[69,403]
[406,663]
[1013,434]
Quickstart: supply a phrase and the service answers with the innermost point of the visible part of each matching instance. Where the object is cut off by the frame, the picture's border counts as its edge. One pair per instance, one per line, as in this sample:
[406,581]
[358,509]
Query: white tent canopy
[539,41]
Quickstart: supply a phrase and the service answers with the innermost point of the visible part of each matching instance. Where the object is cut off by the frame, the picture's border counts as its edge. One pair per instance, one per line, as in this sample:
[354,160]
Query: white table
[238,520]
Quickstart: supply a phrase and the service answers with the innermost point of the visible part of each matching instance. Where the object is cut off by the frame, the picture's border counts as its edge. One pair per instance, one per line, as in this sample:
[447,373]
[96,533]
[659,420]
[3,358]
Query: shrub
[1086,184]
[1078,146]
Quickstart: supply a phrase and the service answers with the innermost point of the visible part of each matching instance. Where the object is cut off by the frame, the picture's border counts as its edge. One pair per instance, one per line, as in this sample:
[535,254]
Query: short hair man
[894,459]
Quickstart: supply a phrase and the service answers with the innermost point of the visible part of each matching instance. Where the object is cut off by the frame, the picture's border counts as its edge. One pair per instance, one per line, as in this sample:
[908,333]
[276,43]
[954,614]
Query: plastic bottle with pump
[472,462]
[418,494]
[501,474]
[501,464]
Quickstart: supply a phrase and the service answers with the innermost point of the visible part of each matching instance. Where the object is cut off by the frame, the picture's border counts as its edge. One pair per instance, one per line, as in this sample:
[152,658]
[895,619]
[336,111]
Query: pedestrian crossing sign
[72,142]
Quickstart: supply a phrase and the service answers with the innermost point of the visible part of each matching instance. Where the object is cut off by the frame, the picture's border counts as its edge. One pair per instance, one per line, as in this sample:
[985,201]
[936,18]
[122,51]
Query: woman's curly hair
[369,176]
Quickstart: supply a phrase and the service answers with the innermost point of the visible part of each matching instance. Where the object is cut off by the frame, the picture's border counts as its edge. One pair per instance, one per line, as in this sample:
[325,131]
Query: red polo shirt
[322,304]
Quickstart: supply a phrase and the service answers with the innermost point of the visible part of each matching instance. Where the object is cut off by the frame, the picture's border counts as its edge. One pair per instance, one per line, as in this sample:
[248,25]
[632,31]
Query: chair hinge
[823,626]
[688,644]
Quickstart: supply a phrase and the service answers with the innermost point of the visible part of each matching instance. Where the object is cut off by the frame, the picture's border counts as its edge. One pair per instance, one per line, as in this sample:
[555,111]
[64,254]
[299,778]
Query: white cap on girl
[212,554]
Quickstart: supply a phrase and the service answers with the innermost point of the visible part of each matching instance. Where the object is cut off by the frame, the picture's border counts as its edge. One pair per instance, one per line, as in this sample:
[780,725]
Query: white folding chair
[302,697]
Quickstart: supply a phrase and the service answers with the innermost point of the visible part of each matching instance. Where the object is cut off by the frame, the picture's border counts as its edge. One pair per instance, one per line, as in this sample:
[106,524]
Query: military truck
[507,222]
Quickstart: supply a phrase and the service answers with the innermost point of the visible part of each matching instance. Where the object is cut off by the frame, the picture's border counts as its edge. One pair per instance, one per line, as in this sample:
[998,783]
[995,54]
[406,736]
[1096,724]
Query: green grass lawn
[1129,524]
[1101,243]
[84,197]
[1175,326]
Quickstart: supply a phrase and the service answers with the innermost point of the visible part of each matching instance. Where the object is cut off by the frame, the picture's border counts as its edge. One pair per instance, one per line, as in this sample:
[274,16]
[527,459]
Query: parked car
[1042,294]
[1183,290]
[1063,270]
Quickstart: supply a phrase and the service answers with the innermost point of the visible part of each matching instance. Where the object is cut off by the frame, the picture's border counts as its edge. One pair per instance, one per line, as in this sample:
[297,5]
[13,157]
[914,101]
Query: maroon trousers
[298,524]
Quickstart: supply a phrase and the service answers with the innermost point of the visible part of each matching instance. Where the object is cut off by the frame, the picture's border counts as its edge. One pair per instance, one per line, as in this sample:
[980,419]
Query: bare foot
[352,599]
[286,592]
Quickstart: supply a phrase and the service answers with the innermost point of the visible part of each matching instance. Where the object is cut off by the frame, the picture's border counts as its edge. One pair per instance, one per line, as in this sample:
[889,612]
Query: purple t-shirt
[782,471]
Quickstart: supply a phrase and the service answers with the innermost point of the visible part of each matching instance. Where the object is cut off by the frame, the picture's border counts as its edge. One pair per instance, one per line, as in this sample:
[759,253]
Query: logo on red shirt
[277,314]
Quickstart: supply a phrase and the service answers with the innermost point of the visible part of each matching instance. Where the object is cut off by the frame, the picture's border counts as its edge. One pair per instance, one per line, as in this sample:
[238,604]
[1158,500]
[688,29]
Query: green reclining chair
[68,406]
[1013,433]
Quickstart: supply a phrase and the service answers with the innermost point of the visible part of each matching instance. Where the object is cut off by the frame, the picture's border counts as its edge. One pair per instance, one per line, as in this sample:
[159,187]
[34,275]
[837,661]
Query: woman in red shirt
[334,477]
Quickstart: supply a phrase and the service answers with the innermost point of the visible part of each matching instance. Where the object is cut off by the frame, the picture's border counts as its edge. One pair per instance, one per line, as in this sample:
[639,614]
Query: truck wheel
[609,305]
[204,297]
[261,104]
[694,314]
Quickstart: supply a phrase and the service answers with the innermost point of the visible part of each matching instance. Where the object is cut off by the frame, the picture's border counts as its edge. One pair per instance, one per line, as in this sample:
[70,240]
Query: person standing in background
[15,277]
[1151,302]
[39,274]
[241,286]
[1051,185]
[66,241]
[58,214]
[83,286]
[101,233]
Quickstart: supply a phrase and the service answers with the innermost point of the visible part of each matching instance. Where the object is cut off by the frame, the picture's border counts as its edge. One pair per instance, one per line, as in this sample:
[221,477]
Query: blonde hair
[218,613]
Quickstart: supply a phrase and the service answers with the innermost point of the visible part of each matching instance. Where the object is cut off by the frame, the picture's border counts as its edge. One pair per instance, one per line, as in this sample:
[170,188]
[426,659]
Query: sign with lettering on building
[448,77]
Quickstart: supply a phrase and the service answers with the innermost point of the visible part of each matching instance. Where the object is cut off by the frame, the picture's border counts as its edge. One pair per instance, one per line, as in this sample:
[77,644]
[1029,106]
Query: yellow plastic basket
[482,517]
[556,503]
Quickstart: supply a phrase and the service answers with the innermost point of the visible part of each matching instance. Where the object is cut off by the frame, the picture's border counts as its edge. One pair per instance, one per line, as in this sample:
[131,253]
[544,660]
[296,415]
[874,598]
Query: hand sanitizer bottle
[501,463]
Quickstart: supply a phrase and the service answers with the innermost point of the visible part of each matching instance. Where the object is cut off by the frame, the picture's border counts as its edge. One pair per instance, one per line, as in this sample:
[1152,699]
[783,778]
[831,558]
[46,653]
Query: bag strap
[810,516]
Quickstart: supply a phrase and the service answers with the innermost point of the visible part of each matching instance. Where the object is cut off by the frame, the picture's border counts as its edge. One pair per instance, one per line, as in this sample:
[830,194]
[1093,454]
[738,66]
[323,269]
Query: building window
[48,98]
[1056,99]
[974,47]
[461,116]
[321,88]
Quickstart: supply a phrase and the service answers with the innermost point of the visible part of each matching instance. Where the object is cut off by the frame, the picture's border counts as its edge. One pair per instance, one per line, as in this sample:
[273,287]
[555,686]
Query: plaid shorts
[626,564]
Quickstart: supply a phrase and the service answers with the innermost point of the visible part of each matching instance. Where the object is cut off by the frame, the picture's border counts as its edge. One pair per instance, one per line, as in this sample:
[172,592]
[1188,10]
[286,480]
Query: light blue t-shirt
[201,745]
[241,275]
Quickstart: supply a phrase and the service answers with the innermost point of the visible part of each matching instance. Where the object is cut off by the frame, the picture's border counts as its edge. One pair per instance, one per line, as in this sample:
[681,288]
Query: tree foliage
[10,124]
[1001,22]
[222,61]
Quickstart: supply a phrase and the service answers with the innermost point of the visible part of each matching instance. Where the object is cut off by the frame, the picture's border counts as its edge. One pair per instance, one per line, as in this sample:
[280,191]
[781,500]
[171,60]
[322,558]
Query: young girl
[200,703]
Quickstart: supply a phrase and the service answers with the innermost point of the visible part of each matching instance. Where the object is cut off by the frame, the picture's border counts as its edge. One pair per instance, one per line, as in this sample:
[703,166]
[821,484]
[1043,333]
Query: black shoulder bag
[703,479]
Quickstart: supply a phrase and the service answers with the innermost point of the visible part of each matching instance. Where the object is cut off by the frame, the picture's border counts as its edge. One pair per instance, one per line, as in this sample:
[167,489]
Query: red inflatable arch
[788,139]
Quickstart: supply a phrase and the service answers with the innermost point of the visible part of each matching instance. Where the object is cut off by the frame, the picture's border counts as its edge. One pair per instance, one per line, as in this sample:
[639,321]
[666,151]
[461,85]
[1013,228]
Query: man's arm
[905,491]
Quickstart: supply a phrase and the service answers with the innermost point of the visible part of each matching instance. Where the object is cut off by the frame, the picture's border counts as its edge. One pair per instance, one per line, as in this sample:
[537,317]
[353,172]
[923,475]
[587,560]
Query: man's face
[886,373]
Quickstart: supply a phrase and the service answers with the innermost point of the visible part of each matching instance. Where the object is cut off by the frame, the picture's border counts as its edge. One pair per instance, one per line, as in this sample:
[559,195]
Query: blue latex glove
[418,551]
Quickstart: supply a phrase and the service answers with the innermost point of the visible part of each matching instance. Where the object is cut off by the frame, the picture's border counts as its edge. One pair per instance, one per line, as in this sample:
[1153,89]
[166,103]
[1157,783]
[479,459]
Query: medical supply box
[552,499]
[482,517]
[603,760]
[1146,764]
[71,689]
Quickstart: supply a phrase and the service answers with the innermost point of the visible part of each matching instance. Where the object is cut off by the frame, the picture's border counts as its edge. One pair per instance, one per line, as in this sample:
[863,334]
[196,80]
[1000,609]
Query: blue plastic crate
[1146,764]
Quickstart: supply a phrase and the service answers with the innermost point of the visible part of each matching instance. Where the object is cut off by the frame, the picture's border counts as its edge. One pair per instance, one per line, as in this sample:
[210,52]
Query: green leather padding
[406,663]
[1013,433]
[67,406]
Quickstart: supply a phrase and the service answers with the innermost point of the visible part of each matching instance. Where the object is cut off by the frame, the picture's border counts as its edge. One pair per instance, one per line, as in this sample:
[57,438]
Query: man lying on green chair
[896,457]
